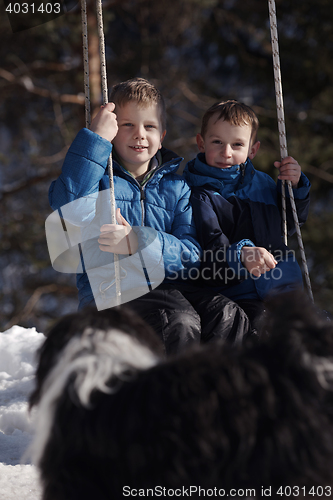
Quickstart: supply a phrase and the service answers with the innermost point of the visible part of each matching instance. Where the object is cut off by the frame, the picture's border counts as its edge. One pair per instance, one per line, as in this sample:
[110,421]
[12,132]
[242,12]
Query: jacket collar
[169,163]
[198,173]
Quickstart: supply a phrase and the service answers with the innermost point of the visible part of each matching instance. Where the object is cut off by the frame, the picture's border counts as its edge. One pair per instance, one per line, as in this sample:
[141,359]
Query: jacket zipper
[142,189]
[142,198]
[242,167]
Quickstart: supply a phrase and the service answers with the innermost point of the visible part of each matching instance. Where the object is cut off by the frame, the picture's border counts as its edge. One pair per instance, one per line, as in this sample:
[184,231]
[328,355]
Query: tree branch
[35,297]
[26,82]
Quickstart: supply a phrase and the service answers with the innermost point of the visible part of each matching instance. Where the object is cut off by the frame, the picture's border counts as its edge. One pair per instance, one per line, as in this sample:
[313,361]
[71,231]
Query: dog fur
[111,412]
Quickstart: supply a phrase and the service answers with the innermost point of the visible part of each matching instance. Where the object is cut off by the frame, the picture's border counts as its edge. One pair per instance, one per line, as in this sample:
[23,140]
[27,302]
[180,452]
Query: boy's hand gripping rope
[283,141]
[99,13]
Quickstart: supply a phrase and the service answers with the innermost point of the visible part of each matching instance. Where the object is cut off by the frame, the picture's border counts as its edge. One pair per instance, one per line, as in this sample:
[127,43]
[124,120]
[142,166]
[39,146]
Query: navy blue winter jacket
[241,206]
[162,204]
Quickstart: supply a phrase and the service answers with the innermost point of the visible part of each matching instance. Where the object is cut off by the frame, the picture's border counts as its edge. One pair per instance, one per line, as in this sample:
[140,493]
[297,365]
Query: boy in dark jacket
[237,210]
[155,237]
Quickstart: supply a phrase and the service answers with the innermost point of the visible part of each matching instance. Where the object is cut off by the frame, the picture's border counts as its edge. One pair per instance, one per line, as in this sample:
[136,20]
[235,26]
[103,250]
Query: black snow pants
[186,315]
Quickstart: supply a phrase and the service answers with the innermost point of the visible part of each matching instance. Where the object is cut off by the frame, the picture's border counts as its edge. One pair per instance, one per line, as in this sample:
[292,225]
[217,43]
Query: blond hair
[142,92]
[233,112]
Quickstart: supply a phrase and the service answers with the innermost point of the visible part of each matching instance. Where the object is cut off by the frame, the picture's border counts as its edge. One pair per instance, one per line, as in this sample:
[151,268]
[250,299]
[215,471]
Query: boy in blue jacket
[155,232]
[237,210]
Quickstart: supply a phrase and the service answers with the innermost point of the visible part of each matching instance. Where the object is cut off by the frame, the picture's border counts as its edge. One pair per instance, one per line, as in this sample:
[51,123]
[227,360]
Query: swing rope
[99,13]
[283,143]
[85,62]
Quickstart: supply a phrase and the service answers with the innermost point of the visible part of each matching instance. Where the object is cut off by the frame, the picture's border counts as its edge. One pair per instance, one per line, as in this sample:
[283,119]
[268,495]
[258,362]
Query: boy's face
[225,144]
[139,136]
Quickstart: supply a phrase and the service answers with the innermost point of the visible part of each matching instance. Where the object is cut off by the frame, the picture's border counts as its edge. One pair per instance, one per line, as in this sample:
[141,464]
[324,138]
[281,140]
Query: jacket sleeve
[180,248]
[221,262]
[302,202]
[83,168]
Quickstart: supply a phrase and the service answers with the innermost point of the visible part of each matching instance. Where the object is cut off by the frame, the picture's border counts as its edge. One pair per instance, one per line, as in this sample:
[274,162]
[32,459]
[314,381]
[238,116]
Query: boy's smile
[139,136]
[225,144]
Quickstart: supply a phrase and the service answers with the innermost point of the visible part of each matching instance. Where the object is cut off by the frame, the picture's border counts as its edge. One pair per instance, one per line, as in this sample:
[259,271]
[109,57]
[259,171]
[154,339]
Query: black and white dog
[115,419]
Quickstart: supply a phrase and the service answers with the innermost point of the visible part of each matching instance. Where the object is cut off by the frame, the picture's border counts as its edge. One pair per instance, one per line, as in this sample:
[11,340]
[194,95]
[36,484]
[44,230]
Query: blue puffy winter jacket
[241,206]
[162,204]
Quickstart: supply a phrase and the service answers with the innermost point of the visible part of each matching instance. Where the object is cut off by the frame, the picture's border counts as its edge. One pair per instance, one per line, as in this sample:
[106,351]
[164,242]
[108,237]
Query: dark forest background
[196,52]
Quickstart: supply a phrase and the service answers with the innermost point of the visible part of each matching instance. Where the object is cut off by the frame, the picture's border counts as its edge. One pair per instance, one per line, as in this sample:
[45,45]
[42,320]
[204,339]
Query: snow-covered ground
[18,346]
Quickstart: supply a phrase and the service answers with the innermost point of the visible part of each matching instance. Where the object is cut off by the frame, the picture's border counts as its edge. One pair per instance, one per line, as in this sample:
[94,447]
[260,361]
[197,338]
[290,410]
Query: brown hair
[140,91]
[233,112]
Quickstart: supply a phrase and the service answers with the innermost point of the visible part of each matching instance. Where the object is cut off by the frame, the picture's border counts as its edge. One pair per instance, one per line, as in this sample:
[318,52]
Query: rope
[85,62]
[99,12]
[105,100]
[283,142]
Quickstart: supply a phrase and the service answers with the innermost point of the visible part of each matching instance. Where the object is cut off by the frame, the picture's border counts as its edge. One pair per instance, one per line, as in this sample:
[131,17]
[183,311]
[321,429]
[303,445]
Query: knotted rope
[99,13]
[85,62]
[283,142]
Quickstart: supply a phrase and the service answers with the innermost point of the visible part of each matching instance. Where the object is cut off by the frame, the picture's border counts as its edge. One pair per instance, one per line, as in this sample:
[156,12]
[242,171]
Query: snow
[18,477]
